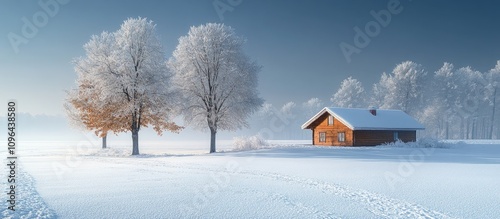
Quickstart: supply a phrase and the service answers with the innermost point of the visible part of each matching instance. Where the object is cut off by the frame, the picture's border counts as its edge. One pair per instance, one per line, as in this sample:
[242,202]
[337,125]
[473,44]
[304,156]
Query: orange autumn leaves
[102,118]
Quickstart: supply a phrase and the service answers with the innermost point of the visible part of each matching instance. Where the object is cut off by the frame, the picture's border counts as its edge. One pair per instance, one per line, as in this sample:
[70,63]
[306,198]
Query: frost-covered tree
[442,102]
[432,118]
[289,108]
[291,126]
[312,106]
[351,94]
[82,112]
[265,110]
[404,87]
[218,81]
[129,84]
[470,102]
[83,107]
[492,95]
[260,119]
[379,91]
[462,102]
[452,103]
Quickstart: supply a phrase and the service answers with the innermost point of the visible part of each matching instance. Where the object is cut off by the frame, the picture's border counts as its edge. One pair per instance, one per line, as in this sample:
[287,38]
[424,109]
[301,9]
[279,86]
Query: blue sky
[296,42]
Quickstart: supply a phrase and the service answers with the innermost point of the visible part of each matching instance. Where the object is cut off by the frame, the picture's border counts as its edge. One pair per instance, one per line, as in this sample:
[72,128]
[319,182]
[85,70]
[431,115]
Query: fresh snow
[362,119]
[29,203]
[283,180]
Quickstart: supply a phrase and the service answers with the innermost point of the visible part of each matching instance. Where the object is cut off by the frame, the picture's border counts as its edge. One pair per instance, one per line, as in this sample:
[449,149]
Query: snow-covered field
[287,180]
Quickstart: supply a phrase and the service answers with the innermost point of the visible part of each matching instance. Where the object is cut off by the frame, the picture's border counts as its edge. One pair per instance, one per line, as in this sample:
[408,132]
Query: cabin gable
[328,134]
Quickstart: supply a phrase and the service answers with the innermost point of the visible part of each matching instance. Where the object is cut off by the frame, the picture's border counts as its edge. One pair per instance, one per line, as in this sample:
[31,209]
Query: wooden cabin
[334,126]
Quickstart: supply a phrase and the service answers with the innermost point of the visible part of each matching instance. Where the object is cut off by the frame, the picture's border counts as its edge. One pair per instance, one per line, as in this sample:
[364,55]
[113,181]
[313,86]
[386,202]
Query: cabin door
[396,136]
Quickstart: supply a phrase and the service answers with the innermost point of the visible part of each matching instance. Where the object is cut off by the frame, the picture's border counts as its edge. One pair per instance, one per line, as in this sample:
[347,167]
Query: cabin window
[330,120]
[322,137]
[341,136]
[396,136]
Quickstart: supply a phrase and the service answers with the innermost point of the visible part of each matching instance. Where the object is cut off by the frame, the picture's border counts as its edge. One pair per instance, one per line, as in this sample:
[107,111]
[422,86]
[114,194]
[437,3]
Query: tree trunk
[474,128]
[213,132]
[498,133]
[466,128]
[493,113]
[135,142]
[104,145]
[462,128]
[447,130]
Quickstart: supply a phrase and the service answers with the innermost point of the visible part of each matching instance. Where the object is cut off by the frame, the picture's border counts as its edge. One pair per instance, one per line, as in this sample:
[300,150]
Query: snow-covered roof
[362,119]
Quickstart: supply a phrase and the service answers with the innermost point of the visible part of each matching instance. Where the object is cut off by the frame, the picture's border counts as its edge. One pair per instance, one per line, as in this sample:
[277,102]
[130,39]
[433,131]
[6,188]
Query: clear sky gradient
[296,42]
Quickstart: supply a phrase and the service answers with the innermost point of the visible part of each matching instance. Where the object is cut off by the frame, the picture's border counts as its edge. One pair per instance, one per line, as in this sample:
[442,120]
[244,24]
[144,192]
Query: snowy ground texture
[285,180]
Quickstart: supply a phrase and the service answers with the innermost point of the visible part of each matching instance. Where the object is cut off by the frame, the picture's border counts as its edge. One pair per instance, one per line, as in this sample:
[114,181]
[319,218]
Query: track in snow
[379,205]
[29,204]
